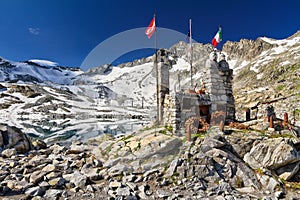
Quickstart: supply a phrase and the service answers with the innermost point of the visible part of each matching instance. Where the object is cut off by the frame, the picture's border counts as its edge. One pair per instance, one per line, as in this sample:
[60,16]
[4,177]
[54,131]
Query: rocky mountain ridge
[266,72]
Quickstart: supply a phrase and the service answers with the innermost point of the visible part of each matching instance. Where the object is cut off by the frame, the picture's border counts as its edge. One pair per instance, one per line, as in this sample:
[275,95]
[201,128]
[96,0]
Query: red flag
[151,28]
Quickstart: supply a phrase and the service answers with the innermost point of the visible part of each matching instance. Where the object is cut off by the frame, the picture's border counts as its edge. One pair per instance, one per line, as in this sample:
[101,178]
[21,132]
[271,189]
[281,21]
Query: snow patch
[254,68]
[273,41]
[259,76]
[180,65]
[260,89]
[242,65]
[279,50]
[44,63]
[285,63]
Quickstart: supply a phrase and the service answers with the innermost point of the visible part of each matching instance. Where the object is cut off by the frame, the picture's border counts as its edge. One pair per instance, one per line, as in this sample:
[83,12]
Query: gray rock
[7,153]
[119,169]
[90,188]
[53,193]
[110,163]
[163,194]
[123,191]
[37,176]
[49,168]
[57,182]
[272,153]
[224,187]
[39,144]
[272,184]
[39,160]
[131,198]
[248,176]
[35,191]
[149,172]
[57,149]
[44,184]
[112,193]
[90,172]
[78,179]
[172,168]
[53,175]
[213,143]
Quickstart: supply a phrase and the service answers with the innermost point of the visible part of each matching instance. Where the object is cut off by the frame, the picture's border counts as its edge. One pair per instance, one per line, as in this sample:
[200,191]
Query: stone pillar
[226,74]
[163,82]
[215,88]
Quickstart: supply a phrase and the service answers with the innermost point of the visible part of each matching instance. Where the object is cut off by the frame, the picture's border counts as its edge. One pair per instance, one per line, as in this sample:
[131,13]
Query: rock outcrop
[154,164]
[246,49]
[13,141]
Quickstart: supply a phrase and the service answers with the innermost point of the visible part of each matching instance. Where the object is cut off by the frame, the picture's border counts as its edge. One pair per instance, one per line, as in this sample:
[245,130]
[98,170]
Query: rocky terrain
[253,163]
[266,72]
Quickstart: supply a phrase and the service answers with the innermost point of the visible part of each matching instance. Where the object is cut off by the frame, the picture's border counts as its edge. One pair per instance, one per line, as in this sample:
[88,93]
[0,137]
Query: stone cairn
[217,98]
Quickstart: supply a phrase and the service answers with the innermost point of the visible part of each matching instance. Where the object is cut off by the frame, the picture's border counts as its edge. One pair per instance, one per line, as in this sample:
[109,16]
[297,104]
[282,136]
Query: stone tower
[218,81]
[163,66]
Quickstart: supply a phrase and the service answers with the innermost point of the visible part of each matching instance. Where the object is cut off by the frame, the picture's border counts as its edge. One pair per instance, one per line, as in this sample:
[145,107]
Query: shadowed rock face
[246,49]
[13,138]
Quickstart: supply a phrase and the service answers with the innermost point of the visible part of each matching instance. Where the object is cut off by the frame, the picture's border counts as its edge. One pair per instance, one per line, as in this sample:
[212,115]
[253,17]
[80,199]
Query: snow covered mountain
[36,71]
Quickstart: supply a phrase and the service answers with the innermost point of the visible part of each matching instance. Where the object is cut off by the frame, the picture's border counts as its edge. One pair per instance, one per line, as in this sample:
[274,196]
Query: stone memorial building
[210,104]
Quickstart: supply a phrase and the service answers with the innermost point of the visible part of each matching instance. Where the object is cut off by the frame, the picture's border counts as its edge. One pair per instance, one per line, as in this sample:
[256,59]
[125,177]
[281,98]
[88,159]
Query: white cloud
[34,31]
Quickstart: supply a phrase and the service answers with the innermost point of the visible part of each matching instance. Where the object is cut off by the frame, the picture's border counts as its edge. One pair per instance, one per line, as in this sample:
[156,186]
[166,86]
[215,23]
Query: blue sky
[66,31]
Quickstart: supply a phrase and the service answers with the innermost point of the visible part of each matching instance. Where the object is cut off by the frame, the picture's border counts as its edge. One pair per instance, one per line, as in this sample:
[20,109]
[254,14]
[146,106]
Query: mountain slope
[266,70]
[36,71]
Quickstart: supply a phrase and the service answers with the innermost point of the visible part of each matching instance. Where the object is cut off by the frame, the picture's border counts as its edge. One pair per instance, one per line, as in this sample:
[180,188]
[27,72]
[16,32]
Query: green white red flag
[218,38]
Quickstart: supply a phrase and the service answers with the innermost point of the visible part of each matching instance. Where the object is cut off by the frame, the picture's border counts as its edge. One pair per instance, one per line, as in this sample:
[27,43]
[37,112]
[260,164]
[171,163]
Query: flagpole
[156,69]
[191,56]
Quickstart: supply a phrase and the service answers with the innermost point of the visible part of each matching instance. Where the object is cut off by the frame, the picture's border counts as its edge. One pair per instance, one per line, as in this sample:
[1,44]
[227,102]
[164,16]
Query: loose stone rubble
[153,164]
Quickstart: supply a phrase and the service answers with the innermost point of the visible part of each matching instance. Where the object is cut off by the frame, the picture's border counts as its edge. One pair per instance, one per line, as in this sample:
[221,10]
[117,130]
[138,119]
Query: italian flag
[218,38]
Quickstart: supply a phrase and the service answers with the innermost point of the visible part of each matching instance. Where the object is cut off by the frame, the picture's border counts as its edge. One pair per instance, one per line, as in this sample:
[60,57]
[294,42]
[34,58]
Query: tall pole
[191,54]
[156,68]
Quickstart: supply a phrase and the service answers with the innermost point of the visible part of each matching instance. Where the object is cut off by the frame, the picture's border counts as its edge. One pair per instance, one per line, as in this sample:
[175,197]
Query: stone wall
[230,107]
[179,106]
